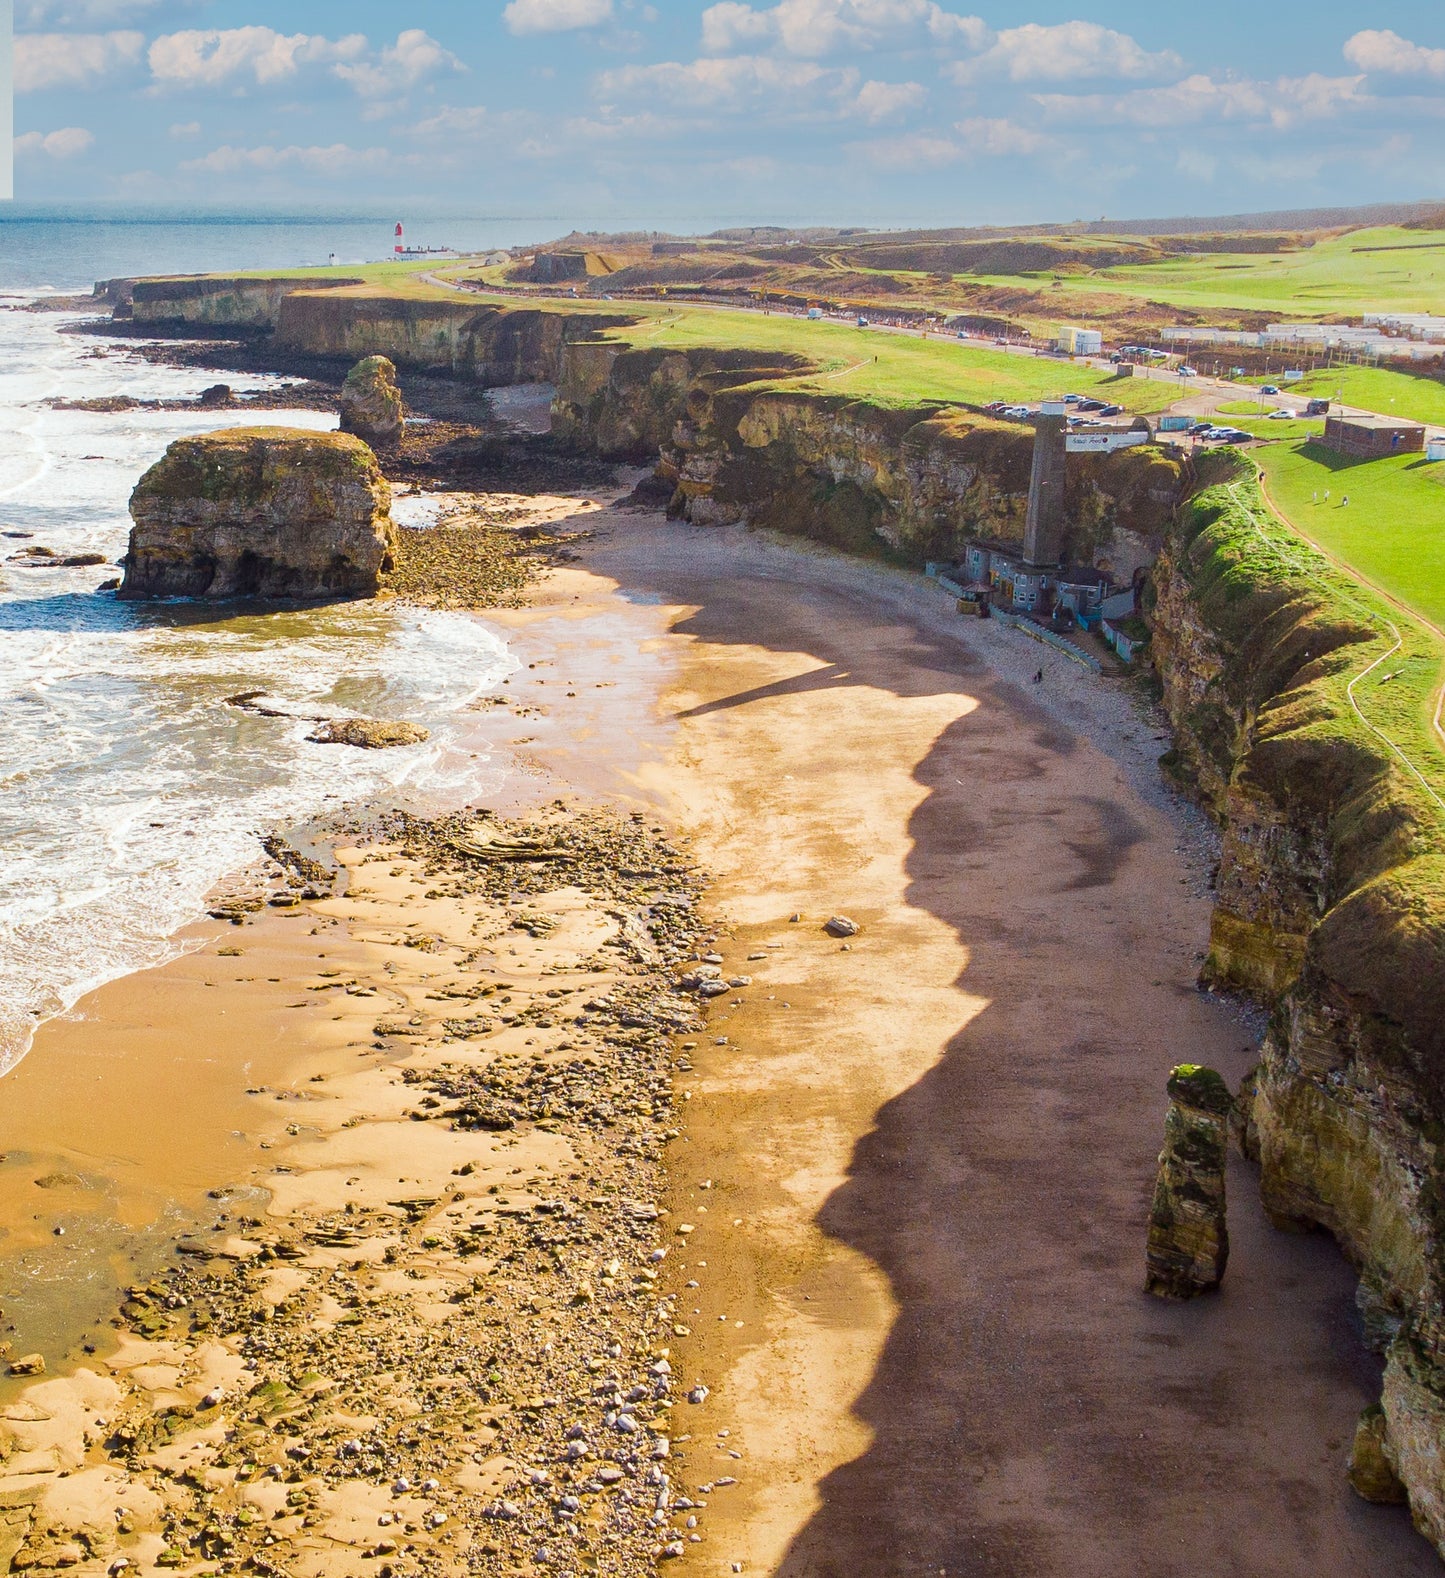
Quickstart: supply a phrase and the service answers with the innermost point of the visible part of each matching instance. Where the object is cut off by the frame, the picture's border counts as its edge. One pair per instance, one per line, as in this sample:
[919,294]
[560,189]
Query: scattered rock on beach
[31,1364]
[371,405]
[1188,1243]
[841,926]
[369,734]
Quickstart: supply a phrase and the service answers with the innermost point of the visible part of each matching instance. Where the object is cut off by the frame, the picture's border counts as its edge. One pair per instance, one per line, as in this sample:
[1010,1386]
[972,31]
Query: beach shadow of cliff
[1032,1412]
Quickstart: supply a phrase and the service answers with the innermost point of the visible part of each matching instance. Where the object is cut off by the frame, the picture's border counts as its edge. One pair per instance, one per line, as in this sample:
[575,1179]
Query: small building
[1017,584]
[1081,590]
[1435,449]
[1371,437]
[1079,342]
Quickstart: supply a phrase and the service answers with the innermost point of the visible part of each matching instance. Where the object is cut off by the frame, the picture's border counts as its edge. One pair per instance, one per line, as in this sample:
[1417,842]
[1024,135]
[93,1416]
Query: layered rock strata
[371,403]
[1331,908]
[1188,1245]
[261,512]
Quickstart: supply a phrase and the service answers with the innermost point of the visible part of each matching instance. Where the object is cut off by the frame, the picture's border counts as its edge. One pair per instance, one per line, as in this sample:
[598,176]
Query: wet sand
[927,1152]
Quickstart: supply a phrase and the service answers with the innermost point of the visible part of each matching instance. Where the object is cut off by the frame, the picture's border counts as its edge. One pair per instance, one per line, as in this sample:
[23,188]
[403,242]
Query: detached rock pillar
[371,405]
[1188,1238]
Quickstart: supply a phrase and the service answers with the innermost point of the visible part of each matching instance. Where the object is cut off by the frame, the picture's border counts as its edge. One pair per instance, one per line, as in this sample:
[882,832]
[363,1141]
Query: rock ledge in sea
[369,734]
[261,512]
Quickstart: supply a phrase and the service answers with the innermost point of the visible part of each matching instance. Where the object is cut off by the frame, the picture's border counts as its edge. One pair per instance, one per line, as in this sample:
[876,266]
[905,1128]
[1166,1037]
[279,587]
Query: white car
[1283,416]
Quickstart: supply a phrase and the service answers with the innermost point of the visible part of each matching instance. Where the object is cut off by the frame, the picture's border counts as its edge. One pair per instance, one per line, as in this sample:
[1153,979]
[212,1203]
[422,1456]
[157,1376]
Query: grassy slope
[1394,528]
[1399,697]
[1336,277]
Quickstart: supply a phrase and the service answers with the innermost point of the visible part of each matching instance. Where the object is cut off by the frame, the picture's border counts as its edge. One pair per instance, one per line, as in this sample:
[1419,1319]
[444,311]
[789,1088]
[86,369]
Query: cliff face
[734,447]
[213,303]
[261,512]
[1331,908]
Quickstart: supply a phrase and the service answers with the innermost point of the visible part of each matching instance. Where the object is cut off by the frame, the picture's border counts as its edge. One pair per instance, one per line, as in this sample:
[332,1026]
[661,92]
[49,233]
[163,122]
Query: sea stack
[261,512]
[371,405]
[1188,1239]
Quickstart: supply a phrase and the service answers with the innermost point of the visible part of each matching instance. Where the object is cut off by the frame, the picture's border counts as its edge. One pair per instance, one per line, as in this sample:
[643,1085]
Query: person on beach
[1039,677]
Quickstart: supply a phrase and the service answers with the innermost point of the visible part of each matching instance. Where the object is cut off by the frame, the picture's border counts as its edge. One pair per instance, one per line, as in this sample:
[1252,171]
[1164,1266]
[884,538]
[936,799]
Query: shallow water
[127,787]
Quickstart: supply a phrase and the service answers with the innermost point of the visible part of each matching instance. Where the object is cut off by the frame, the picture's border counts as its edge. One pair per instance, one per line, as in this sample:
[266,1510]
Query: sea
[128,787]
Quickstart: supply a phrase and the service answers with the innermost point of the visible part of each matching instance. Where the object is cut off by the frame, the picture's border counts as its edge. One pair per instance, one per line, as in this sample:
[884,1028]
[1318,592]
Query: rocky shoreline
[465,1368]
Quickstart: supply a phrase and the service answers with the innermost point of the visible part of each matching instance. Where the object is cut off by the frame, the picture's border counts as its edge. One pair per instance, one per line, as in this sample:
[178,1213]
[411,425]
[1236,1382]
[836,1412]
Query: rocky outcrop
[1371,1473]
[371,404]
[370,734]
[1188,1246]
[261,512]
[1331,908]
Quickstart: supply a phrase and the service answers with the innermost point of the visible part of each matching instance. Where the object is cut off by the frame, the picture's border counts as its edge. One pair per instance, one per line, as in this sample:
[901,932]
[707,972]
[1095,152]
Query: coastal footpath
[1331,892]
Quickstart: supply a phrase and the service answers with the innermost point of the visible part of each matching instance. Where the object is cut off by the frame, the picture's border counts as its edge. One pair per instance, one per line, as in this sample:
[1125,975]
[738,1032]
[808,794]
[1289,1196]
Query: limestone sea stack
[1188,1239]
[261,512]
[371,406]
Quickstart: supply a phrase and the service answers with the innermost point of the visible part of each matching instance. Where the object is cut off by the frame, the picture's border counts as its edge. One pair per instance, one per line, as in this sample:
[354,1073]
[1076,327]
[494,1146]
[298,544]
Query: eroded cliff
[740,436]
[1331,908]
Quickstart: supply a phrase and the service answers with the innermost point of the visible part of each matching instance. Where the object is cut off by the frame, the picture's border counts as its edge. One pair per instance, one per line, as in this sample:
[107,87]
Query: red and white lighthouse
[400,240]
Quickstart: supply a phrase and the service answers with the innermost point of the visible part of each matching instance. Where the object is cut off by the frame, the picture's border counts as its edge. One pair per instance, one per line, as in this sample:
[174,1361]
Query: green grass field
[1422,399]
[1263,427]
[1362,271]
[1392,531]
[891,369]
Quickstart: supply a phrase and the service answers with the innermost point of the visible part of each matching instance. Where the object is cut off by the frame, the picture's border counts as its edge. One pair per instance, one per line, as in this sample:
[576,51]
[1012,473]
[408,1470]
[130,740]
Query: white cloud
[1386,52]
[451,122]
[184,131]
[338,159]
[416,54]
[882,101]
[1002,137]
[208,57]
[71,60]
[1066,52]
[733,83]
[922,151]
[814,28]
[555,16]
[1201,98]
[67,143]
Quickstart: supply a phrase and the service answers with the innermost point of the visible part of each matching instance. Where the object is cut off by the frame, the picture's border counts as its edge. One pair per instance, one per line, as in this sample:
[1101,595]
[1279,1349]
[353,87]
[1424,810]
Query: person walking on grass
[1344,501]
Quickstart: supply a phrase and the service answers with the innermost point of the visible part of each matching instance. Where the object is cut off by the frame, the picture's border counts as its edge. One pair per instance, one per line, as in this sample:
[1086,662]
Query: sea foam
[128,786]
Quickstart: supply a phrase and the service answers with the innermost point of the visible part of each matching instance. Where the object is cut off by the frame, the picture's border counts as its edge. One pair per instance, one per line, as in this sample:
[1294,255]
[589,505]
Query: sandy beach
[900,1178]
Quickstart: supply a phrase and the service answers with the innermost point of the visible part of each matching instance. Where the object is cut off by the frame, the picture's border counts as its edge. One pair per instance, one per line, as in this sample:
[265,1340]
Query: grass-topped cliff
[1303,708]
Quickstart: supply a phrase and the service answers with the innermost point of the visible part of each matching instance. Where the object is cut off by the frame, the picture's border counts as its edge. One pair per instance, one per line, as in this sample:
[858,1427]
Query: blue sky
[839,111]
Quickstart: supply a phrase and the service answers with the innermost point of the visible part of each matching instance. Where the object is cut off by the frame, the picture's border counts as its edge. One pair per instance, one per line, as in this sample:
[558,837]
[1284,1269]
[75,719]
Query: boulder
[1188,1240]
[261,512]
[371,406]
[369,734]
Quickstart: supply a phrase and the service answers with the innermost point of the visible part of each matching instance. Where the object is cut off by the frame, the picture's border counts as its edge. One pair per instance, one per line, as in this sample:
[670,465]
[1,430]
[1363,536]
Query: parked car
[1269,389]
[1199,429]
[1072,399]
[1092,405]
[1112,410]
